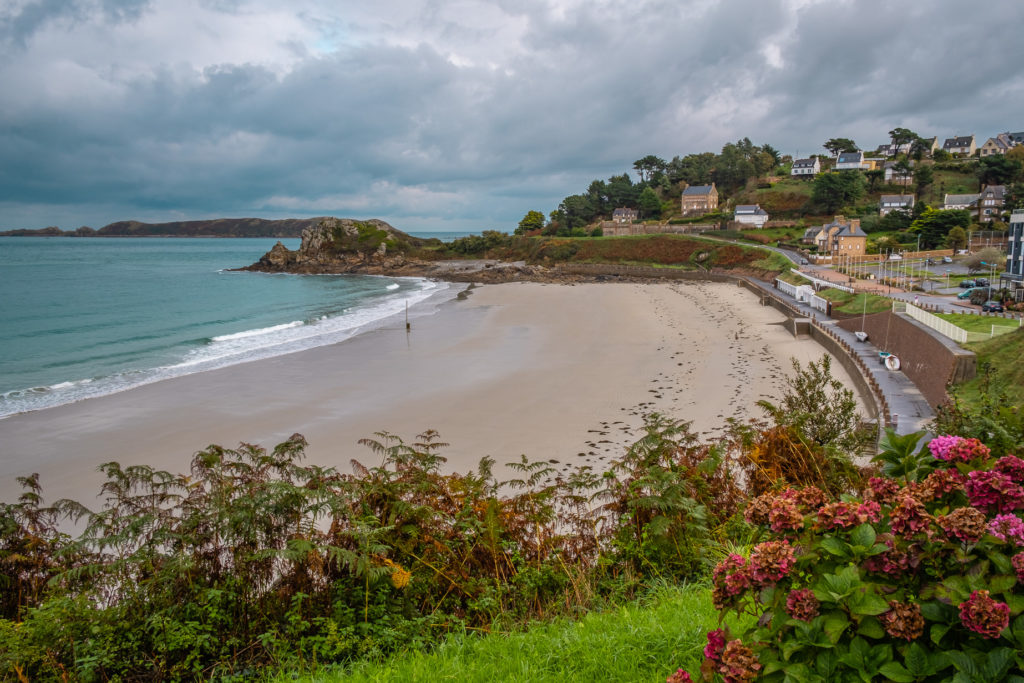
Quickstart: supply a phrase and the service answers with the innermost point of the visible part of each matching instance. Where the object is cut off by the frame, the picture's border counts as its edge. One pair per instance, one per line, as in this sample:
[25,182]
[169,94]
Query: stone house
[1000,144]
[699,199]
[990,202]
[895,202]
[960,201]
[624,215]
[841,237]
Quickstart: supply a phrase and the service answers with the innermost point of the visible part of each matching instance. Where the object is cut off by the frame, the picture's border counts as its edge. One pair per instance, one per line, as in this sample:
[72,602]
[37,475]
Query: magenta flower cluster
[983,615]
[1007,528]
[957,448]
[994,491]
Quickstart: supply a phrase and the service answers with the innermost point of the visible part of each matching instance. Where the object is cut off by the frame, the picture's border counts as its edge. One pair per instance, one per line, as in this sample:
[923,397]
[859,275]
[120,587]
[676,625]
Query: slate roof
[625,213]
[996,191]
[847,231]
[750,209]
[966,199]
[903,199]
[698,189]
[804,163]
[962,141]
[850,158]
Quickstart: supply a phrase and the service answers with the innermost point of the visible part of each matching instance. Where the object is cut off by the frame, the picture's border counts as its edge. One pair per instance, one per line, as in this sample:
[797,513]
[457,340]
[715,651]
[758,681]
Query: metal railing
[823,283]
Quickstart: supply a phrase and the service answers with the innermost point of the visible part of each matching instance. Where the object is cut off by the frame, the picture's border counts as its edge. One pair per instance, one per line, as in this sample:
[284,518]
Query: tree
[918,148]
[693,169]
[622,191]
[923,177]
[984,259]
[1016,153]
[834,190]
[956,239]
[900,137]
[837,145]
[650,205]
[773,153]
[999,170]
[934,225]
[648,166]
[1014,196]
[533,220]
[874,176]
[575,211]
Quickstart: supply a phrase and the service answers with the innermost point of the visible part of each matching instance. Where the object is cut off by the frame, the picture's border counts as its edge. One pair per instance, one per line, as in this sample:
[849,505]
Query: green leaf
[863,536]
[834,625]
[1001,582]
[868,604]
[937,632]
[937,611]
[895,671]
[1002,562]
[917,660]
[826,663]
[797,673]
[998,663]
[834,546]
[963,663]
[871,627]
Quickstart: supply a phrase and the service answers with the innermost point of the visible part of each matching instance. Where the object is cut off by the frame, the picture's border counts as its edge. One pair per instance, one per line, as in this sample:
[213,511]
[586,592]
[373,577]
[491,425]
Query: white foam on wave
[230,349]
[393,285]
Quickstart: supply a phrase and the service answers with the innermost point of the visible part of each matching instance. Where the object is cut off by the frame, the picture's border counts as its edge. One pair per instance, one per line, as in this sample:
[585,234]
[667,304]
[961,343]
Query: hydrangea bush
[919,578]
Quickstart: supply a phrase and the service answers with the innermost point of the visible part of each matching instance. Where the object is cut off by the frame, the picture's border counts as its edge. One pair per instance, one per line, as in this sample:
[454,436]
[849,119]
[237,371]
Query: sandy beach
[560,372]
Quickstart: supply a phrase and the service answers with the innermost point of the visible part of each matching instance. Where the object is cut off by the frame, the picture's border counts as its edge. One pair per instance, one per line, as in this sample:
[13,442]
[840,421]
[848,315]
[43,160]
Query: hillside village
[910,194]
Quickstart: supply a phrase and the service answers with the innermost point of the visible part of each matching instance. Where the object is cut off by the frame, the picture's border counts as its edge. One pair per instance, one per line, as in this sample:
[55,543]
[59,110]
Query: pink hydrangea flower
[994,492]
[838,516]
[957,448]
[869,511]
[716,644]
[909,517]
[680,676]
[802,604]
[784,515]
[882,489]
[1007,528]
[983,615]
[770,561]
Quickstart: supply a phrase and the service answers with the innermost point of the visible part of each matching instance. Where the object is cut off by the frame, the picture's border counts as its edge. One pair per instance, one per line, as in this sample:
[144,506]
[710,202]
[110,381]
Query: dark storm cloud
[414,112]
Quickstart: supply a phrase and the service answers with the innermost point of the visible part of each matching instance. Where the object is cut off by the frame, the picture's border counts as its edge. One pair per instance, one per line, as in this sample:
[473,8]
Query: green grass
[999,359]
[949,182]
[644,641]
[774,261]
[977,323]
[848,303]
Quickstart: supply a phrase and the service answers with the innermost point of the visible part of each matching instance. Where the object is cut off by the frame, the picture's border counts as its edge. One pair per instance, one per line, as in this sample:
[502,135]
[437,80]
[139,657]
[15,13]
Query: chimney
[854,223]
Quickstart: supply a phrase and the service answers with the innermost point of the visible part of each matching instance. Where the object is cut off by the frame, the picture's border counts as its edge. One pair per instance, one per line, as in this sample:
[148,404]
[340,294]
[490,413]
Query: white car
[947,259]
[895,257]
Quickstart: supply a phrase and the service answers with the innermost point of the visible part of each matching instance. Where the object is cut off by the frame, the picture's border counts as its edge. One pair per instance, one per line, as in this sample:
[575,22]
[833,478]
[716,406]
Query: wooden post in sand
[407,328]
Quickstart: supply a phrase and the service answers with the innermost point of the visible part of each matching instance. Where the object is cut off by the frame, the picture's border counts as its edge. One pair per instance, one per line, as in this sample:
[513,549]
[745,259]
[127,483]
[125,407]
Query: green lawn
[848,303]
[977,323]
[1000,372]
[645,641]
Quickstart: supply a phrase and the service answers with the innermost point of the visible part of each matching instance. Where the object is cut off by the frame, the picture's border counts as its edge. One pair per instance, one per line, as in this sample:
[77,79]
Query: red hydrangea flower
[801,604]
[680,676]
[1018,566]
[784,515]
[770,561]
[739,663]
[1012,466]
[909,517]
[964,524]
[869,511]
[716,644]
[983,615]
[941,482]
[994,492]
[882,489]
[838,516]
[957,448]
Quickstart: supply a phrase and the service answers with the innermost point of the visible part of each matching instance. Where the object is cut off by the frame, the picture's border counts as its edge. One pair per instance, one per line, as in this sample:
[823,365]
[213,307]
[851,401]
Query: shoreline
[553,371]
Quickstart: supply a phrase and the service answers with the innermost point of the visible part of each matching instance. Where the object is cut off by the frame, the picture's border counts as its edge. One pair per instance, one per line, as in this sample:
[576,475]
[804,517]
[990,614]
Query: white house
[895,202]
[895,175]
[807,168]
[960,201]
[852,161]
[750,214]
[963,144]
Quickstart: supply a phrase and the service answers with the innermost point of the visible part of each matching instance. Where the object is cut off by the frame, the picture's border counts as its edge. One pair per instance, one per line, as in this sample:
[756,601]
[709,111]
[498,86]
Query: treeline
[219,227]
[659,185]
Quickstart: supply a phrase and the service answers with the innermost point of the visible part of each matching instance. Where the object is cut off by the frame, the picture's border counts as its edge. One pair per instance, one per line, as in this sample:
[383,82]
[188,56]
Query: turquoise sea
[85,317]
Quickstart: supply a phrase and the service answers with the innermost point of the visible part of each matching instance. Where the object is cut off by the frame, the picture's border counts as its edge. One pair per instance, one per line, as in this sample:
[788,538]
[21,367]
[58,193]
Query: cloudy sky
[457,114]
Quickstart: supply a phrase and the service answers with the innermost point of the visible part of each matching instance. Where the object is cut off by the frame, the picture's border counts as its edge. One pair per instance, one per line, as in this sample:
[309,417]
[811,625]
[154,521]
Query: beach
[551,371]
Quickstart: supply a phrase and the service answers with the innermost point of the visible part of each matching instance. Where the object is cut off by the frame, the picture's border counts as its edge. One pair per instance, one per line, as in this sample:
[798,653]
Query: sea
[87,317]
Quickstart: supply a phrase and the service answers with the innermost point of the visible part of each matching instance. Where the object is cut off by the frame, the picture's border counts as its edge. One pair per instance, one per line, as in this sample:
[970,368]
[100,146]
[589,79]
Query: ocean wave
[393,285]
[230,349]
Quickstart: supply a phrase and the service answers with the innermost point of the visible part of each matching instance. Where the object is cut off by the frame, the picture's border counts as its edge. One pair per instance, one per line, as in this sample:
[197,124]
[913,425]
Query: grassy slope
[845,302]
[1001,356]
[640,642]
[977,323]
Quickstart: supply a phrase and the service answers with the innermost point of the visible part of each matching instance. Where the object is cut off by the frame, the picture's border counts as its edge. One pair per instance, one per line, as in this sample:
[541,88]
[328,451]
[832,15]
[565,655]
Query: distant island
[218,227]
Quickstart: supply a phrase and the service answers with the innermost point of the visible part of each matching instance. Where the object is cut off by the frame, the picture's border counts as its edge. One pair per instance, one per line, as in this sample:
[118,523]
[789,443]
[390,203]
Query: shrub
[921,578]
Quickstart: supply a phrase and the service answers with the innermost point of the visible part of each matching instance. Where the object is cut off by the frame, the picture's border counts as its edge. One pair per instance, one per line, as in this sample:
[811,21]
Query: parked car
[981,282]
[967,284]
[992,306]
[947,259]
[895,257]
[966,294]
[930,262]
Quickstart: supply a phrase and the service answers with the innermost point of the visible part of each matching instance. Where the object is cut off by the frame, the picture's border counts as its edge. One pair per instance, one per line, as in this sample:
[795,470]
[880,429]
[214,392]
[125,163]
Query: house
[806,168]
[895,202]
[852,161]
[1016,138]
[891,150]
[960,145]
[841,237]
[624,215]
[750,214]
[990,202]
[960,201]
[1000,144]
[698,199]
[894,175]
